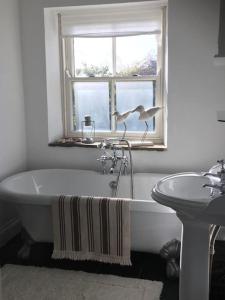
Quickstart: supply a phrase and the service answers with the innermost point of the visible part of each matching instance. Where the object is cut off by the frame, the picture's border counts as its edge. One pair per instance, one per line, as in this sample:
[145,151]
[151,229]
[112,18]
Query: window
[113,60]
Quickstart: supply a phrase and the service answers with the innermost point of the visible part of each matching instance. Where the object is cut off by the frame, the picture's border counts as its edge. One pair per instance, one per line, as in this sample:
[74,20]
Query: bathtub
[152,225]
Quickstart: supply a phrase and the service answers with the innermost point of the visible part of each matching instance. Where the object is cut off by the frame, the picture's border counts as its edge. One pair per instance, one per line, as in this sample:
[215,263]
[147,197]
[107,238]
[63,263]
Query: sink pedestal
[197,210]
[195,260]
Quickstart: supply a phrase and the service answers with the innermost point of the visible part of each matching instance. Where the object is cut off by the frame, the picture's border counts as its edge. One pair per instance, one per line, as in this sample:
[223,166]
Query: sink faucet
[220,175]
[219,187]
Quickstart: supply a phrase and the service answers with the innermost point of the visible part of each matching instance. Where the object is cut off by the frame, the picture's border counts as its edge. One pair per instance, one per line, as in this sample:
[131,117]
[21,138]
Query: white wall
[196,90]
[12,116]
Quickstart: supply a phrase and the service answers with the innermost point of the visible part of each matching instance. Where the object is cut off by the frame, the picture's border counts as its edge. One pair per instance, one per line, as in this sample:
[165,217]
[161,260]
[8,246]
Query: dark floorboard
[144,266]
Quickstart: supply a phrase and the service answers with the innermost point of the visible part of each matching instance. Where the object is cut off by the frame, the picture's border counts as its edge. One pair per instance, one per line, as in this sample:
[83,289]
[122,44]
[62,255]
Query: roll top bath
[92,228]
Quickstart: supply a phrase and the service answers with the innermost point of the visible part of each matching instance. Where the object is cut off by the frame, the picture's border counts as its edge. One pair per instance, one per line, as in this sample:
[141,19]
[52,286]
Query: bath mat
[92,228]
[38,283]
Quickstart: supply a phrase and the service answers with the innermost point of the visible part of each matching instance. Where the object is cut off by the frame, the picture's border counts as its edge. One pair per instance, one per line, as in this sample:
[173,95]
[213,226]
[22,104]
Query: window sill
[73,143]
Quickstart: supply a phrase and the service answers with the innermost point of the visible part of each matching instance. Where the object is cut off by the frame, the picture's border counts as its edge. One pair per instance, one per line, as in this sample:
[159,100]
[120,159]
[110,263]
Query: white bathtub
[152,224]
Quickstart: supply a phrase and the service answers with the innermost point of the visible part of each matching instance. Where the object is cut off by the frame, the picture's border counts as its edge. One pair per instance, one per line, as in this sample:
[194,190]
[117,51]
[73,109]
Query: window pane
[93,56]
[136,55]
[91,98]
[131,94]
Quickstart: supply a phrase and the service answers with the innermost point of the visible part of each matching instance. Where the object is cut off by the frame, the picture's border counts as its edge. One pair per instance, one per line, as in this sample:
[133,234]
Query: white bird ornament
[120,118]
[146,115]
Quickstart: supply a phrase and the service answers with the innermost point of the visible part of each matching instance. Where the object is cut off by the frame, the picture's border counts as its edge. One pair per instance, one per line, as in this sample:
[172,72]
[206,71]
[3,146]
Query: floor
[144,265]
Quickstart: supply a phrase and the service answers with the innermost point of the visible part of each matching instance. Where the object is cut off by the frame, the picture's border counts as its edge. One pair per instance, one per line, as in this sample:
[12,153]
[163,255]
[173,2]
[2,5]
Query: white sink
[198,208]
[184,192]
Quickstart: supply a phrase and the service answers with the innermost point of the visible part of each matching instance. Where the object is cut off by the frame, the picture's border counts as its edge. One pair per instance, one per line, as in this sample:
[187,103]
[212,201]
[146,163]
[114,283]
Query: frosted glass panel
[91,98]
[136,55]
[131,94]
[93,56]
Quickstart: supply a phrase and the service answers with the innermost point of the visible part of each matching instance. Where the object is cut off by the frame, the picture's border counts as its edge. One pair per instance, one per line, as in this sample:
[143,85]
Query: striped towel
[92,228]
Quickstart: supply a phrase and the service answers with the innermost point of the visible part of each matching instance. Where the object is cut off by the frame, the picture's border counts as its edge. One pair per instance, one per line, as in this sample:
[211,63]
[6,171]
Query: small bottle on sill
[88,130]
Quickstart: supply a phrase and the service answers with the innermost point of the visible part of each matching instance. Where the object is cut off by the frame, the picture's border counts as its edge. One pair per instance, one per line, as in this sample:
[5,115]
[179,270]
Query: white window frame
[68,78]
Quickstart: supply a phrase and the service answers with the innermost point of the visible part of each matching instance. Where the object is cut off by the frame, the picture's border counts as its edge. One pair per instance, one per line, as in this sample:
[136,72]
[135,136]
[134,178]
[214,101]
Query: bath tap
[105,157]
[124,163]
[114,158]
[102,159]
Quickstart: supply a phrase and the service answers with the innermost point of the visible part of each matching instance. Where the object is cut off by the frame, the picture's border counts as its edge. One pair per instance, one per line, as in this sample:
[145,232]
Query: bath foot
[172,269]
[24,252]
[171,250]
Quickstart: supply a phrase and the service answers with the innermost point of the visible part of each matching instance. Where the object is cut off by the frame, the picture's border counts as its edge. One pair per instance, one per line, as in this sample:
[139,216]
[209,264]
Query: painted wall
[12,117]
[196,91]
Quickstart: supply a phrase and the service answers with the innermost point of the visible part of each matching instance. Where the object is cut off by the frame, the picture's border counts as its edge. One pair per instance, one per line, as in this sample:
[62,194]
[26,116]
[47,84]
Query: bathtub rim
[11,196]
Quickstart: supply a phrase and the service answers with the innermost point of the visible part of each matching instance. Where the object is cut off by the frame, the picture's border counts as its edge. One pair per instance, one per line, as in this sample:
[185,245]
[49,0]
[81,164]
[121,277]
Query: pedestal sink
[197,208]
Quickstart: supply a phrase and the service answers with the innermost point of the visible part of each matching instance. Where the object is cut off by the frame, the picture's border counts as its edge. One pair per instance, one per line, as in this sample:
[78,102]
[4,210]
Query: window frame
[68,78]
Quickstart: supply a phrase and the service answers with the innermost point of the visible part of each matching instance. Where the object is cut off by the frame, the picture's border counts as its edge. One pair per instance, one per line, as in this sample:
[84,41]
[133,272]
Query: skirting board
[9,230]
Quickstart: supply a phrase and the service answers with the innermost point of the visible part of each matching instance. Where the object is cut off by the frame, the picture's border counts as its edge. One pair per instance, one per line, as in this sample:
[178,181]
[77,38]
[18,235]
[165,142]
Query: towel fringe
[124,261]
